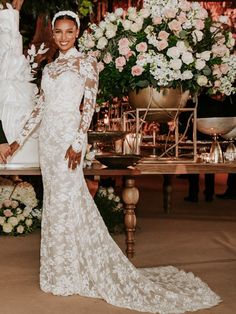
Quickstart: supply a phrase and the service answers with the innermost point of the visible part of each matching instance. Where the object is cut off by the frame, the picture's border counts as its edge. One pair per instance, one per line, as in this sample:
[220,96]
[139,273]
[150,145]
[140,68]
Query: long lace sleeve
[33,120]
[90,93]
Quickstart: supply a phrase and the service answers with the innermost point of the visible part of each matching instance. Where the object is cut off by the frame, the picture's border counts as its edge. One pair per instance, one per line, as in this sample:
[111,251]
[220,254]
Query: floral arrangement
[111,208]
[19,212]
[170,43]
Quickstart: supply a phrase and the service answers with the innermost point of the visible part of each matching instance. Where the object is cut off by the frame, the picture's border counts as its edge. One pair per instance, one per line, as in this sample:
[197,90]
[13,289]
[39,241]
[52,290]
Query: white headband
[63,13]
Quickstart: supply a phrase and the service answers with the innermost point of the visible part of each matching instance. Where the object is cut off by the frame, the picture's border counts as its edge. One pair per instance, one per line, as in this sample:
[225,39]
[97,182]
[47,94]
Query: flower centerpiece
[20,212]
[170,43]
[111,208]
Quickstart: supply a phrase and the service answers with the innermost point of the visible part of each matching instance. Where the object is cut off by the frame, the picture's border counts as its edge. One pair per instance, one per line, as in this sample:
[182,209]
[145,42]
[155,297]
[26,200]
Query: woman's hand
[73,158]
[14,146]
[5,151]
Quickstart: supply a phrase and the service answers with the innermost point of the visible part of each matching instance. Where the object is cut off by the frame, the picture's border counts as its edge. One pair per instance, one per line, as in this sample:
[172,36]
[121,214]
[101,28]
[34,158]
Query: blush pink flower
[141,47]
[219,50]
[224,67]
[170,13]
[157,20]
[124,50]
[137,70]
[182,18]
[7,213]
[162,44]
[120,63]
[163,35]
[123,42]
[175,26]
[129,54]
[199,24]
[100,66]
[217,83]
[185,6]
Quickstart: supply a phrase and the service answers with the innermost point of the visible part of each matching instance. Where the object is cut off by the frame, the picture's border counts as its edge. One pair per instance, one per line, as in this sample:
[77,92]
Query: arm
[31,123]
[90,93]
[91,85]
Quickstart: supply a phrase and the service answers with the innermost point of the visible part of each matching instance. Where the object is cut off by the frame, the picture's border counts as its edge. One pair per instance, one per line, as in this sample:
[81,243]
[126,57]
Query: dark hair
[66,17]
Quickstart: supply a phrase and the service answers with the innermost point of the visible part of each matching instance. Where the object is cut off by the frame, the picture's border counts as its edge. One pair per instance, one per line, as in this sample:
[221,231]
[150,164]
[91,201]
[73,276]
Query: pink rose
[163,35]
[7,213]
[182,18]
[137,70]
[219,50]
[100,66]
[123,42]
[141,47]
[157,20]
[224,68]
[124,50]
[175,26]
[202,14]
[170,13]
[120,62]
[7,203]
[199,24]
[162,44]
[185,6]
[107,58]
[129,54]
[216,71]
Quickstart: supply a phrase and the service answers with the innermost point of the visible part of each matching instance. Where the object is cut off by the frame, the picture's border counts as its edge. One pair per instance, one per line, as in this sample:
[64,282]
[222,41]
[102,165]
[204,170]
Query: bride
[78,256]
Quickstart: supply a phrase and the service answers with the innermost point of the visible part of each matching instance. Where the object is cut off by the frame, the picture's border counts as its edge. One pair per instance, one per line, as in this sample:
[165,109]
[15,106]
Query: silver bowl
[216,125]
[230,135]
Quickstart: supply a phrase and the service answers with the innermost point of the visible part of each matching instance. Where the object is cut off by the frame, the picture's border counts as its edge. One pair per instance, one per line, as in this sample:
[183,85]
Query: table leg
[130,196]
[167,193]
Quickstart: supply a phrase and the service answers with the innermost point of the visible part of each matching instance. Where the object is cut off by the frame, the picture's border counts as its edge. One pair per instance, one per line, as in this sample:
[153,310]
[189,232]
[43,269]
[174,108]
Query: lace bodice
[71,77]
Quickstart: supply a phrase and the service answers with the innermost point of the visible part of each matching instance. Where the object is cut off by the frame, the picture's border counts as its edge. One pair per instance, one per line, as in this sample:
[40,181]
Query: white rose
[205,55]
[173,52]
[175,64]
[18,210]
[14,204]
[110,33]
[135,27]
[7,227]
[187,75]
[202,80]
[145,12]
[224,19]
[102,42]
[181,46]
[119,12]
[110,190]
[187,57]
[98,33]
[26,212]
[127,24]
[20,217]
[102,24]
[117,199]
[110,196]
[200,64]
[20,229]
[112,17]
[13,221]
[29,222]
[197,36]
[2,220]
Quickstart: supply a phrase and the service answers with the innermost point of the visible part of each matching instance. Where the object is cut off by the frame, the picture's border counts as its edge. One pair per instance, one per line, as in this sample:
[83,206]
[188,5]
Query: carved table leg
[167,193]
[130,195]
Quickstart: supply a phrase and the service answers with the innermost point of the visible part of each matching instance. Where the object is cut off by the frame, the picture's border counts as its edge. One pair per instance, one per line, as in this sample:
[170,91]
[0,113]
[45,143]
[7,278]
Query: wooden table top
[142,168]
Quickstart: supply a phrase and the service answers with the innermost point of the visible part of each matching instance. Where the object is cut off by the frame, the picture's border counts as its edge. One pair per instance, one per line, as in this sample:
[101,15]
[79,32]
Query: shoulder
[89,61]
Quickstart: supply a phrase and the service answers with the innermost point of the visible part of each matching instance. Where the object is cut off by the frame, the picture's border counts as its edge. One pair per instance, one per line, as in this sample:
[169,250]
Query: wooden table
[130,193]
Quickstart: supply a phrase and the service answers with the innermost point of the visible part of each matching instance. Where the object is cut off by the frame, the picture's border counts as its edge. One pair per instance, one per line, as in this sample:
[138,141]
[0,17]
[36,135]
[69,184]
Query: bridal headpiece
[68,13]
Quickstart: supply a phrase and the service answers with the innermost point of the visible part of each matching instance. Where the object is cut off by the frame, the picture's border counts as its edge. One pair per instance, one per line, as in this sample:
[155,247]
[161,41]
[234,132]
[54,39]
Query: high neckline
[72,52]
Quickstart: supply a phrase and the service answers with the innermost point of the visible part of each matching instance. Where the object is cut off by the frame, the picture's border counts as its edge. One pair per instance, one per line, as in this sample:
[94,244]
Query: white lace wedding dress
[78,256]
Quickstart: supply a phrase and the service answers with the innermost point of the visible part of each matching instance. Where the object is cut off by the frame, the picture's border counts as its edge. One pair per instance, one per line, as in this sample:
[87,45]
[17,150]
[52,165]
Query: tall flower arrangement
[168,43]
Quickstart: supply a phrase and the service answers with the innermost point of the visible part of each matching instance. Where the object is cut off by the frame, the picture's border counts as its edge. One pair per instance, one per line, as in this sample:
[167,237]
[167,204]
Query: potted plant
[167,44]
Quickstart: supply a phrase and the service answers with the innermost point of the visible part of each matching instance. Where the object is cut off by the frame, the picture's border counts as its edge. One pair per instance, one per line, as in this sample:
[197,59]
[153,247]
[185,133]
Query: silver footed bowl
[230,135]
[216,125]
[105,136]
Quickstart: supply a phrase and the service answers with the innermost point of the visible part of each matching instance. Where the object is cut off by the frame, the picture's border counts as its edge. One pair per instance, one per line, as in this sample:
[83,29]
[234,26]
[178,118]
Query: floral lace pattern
[78,256]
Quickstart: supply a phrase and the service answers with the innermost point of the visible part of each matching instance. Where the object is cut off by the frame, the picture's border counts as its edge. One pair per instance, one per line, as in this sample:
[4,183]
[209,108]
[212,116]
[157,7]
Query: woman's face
[65,33]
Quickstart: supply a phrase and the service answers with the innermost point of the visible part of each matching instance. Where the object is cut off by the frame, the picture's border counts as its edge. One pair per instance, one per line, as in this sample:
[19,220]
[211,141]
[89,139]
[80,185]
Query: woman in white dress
[78,256]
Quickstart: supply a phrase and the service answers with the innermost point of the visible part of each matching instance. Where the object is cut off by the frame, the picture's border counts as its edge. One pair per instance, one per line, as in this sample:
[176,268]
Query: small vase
[164,99]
